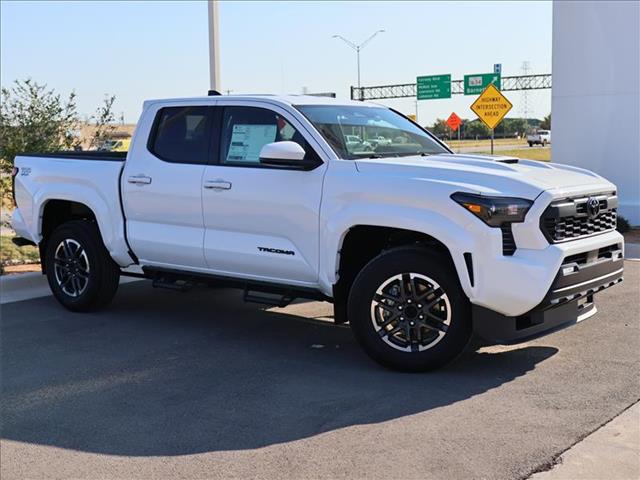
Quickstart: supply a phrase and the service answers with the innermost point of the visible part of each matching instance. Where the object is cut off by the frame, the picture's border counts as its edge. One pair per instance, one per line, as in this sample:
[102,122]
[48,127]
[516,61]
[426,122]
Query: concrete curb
[25,286]
[612,451]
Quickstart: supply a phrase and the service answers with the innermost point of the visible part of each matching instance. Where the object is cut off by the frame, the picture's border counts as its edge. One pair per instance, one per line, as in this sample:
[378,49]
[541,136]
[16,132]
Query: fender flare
[452,235]
[110,223]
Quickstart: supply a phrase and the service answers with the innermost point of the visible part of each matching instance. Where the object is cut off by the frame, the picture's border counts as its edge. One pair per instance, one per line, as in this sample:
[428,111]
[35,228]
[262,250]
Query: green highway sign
[433,86]
[475,84]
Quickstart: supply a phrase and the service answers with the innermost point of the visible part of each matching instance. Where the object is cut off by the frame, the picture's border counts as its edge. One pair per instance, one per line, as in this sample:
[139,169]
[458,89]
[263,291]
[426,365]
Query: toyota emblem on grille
[593,207]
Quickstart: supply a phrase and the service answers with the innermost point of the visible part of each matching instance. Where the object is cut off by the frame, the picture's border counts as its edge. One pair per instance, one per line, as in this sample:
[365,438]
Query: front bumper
[568,300]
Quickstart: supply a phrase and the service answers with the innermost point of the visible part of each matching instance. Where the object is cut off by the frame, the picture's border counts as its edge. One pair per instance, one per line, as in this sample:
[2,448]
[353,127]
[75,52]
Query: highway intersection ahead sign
[491,106]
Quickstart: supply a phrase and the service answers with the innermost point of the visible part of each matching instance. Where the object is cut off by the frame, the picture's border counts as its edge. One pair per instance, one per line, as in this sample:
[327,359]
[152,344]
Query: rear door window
[182,134]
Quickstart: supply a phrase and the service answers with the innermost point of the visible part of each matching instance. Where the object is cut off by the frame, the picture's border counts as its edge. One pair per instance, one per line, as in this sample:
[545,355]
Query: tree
[510,127]
[103,122]
[546,123]
[35,119]
[439,128]
[476,129]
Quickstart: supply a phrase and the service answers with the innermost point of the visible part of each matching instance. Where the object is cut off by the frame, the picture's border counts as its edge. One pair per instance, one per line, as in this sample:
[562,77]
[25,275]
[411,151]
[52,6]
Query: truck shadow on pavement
[162,373]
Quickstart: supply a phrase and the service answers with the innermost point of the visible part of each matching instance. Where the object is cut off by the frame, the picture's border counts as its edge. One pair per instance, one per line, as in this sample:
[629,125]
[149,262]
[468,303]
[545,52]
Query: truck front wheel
[407,310]
[80,271]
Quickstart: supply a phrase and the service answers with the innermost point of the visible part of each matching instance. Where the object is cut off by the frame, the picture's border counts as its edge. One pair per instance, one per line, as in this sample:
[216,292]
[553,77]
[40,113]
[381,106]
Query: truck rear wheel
[407,310]
[81,273]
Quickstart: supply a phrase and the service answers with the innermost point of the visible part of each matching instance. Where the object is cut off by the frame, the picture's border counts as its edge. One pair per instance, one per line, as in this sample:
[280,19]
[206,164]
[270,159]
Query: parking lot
[173,385]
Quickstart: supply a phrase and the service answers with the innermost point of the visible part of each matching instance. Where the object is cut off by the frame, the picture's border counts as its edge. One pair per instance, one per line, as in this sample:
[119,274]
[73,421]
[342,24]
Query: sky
[141,50]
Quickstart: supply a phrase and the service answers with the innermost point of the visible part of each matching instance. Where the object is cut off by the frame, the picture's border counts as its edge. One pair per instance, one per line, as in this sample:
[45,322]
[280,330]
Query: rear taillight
[14,174]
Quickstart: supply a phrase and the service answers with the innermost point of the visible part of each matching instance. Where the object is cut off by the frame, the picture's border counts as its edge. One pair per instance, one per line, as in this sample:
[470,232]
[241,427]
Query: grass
[10,254]
[482,143]
[543,154]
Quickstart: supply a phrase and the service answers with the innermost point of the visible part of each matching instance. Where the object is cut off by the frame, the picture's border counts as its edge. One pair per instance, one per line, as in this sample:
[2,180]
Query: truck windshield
[369,132]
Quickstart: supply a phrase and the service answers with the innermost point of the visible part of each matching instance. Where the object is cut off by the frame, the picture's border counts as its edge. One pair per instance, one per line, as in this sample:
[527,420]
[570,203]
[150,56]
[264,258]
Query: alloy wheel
[71,267]
[411,312]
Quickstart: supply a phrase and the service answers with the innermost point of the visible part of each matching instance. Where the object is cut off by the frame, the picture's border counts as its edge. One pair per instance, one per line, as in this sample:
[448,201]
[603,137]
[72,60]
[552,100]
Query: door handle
[217,185]
[139,179]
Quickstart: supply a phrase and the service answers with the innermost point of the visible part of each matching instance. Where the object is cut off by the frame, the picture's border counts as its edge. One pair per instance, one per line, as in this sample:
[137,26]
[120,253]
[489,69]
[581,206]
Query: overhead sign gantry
[404,90]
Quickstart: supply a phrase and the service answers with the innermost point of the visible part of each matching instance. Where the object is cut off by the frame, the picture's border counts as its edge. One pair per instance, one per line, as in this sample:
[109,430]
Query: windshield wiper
[376,155]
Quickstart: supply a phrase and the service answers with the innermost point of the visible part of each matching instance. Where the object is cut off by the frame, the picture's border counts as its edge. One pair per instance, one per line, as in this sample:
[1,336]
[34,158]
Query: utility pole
[358,48]
[214,51]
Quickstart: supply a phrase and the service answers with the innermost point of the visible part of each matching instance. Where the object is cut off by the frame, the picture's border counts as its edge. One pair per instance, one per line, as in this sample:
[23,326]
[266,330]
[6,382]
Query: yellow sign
[411,117]
[491,106]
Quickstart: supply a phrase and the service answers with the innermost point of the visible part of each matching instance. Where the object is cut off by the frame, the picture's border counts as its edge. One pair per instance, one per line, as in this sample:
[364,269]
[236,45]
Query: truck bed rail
[67,155]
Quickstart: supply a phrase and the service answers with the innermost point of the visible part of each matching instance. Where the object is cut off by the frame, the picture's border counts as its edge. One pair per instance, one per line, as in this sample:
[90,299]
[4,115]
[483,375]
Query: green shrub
[10,254]
[623,225]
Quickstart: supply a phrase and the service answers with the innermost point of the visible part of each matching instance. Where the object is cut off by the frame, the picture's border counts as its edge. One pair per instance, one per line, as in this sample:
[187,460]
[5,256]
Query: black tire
[530,144]
[98,282]
[421,263]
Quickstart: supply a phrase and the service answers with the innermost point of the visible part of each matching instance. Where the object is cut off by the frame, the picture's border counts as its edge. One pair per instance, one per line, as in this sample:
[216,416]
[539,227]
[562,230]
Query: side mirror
[285,154]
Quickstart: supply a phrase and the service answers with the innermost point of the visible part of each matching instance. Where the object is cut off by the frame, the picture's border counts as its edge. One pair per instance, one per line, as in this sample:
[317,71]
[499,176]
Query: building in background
[596,93]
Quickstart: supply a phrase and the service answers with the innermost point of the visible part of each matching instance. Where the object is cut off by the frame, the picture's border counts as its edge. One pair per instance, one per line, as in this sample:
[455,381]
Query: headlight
[494,211]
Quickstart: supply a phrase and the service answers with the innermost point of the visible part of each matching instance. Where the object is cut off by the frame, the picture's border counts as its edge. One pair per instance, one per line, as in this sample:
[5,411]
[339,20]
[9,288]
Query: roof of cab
[277,99]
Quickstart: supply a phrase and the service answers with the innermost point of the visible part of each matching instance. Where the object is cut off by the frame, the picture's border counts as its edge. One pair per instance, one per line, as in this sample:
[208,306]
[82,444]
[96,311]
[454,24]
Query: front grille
[570,218]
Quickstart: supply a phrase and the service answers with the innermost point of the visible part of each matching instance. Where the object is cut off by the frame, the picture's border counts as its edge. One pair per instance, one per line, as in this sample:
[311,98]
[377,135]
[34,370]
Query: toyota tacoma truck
[417,248]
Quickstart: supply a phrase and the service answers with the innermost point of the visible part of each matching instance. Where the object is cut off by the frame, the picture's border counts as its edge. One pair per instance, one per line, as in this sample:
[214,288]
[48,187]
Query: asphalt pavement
[200,384]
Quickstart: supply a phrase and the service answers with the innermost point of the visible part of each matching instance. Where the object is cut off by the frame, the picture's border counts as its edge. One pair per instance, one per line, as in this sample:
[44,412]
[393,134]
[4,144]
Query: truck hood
[491,175]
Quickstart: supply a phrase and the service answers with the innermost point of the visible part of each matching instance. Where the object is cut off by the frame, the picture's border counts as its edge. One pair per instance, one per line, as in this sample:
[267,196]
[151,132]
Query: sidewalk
[611,452]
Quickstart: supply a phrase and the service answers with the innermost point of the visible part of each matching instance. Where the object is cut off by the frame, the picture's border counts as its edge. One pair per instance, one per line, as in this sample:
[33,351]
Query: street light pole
[358,48]
[358,55]
[214,51]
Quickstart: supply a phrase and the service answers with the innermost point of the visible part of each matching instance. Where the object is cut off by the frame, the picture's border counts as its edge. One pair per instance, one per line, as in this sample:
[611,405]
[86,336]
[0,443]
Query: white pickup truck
[417,247]
[539,137]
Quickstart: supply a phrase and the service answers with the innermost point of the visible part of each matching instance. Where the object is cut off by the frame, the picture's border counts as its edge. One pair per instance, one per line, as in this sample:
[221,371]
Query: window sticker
[248,140]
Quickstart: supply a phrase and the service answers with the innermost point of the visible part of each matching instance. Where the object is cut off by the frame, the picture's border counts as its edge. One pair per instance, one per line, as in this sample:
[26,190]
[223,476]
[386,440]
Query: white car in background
[379,141]
[355,144]
[539,137]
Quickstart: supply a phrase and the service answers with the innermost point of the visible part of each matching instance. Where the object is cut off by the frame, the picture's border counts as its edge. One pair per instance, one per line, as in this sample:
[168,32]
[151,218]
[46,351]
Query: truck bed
[59,176]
